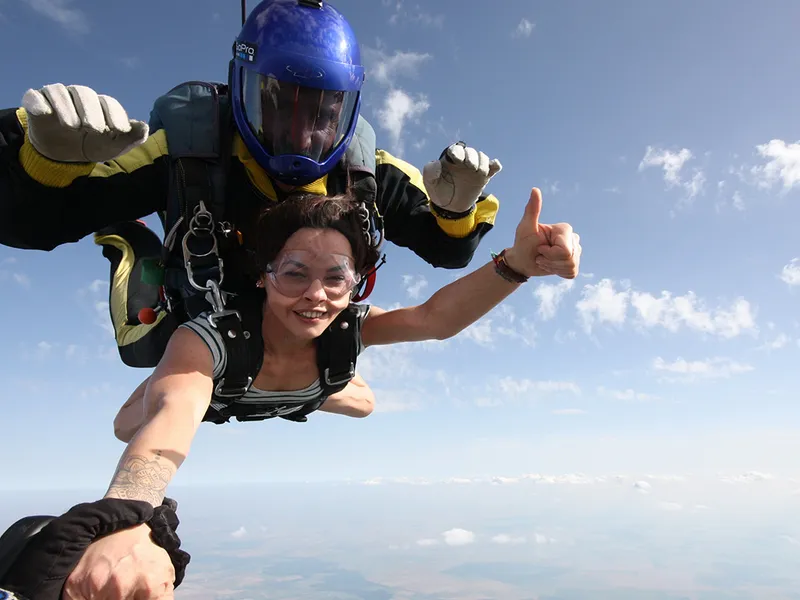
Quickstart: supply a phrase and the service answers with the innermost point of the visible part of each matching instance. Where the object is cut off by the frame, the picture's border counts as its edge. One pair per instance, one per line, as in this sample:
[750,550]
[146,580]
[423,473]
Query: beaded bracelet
[501,268]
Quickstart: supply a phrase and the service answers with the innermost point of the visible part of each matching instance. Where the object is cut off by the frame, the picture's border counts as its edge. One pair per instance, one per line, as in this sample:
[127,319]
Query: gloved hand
[74,124]
[49,558]
[455,181]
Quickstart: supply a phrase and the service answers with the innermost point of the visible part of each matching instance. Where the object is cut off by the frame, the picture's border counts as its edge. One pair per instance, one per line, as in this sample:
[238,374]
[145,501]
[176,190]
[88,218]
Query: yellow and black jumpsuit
[44,204]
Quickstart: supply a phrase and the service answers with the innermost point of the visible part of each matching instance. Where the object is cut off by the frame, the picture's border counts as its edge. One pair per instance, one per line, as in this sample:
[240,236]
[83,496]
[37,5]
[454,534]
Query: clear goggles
[287,118]
[292,273]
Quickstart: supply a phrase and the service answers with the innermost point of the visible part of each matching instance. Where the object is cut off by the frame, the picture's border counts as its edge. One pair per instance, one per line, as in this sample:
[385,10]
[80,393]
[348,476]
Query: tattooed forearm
[142,478]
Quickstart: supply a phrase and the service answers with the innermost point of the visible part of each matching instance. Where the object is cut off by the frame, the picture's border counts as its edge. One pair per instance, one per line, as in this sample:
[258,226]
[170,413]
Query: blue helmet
[296,87]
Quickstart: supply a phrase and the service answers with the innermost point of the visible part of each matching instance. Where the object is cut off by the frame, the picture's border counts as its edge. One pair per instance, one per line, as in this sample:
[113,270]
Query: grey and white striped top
[275,403]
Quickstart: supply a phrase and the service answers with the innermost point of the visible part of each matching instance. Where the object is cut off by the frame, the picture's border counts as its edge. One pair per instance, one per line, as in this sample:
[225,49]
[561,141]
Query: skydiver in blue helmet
[287,121]
[72,163]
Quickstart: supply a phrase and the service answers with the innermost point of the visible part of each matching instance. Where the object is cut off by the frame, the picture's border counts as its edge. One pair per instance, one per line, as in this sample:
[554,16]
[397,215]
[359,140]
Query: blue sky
[666,134]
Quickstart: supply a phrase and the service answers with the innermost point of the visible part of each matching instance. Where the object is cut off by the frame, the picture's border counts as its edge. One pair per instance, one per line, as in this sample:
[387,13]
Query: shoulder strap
[360,154]
[240,328]
[195,118]
[338,349]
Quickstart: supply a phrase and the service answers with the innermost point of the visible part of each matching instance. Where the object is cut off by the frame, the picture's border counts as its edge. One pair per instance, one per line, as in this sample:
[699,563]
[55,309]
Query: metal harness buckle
[343,379]
[236,392]
[202,223]
[218,305]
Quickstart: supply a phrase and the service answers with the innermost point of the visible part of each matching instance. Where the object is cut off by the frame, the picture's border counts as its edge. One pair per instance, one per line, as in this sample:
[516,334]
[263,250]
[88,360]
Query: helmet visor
[288,118]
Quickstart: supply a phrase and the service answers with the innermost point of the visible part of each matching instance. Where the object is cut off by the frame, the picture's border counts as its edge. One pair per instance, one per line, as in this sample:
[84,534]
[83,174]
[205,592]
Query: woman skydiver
[311,256]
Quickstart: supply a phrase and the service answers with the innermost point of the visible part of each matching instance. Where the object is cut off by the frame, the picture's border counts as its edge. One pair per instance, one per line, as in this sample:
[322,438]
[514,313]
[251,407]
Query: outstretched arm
[538,250]
[176,400]
[355,400]
[131,415]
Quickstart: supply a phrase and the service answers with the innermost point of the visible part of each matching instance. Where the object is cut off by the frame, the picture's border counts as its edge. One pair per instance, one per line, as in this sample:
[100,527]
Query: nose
[315,291]
[302,132]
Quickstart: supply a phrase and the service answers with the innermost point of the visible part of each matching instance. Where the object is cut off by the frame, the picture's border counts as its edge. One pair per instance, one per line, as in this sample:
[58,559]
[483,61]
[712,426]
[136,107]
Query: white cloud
[748,477]
[568,411]
[670,506]
[398,109]
[673,312]
[427,542]
[23,280]
[781,341]
[523,29]
[790,274]
[504,538]
[479,332]
[712,368]
[391,401]
[415,16]
[71,19]
[414,285]
[644,483]
[98,285]
[672,163]
[601,303]
[43,349]
[550,295]
[131,62]
[695,185]
[386,69]
[525,331]
[387,362]
[791,540]
[627,395]
[567,478]
[20,279]
[500,480]
[458,537]
[737,201]
[239,533]
[782,166]
[520,387]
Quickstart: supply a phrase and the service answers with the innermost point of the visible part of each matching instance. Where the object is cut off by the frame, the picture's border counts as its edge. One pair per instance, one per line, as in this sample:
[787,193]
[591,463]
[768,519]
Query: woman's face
[310,281]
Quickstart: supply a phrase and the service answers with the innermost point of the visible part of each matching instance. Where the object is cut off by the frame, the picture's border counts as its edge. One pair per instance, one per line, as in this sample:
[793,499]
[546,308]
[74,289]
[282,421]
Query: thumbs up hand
[541,249]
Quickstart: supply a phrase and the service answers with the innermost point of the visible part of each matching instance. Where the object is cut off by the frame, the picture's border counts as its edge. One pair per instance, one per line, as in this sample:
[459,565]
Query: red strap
[367,288]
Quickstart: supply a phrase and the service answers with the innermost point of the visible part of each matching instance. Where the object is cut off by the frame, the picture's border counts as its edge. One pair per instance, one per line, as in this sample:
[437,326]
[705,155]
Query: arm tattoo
[141,478]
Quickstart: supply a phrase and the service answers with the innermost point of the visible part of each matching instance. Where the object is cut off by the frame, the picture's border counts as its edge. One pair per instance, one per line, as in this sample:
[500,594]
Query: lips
[310,316]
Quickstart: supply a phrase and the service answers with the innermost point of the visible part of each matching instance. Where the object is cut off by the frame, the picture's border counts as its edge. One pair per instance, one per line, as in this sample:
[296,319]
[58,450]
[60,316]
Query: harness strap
[337,354]
[337,351]
[237,378]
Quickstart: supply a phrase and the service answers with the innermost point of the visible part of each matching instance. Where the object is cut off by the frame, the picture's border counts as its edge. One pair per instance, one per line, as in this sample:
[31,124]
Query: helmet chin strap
[244,11]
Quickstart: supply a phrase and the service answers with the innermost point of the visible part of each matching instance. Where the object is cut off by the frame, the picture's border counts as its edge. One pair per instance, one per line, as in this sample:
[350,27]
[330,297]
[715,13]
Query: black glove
[163,525]
[42,567]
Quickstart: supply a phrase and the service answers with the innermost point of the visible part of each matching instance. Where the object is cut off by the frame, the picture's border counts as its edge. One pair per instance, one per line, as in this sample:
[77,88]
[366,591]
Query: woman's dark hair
[281,220]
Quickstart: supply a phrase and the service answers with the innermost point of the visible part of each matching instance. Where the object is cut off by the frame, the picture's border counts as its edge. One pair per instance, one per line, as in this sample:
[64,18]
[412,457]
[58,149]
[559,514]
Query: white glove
[74,124]
[456,180]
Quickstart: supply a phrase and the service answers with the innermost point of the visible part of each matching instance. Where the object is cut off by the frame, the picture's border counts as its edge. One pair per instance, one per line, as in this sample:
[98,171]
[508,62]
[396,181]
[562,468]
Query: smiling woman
[312,253]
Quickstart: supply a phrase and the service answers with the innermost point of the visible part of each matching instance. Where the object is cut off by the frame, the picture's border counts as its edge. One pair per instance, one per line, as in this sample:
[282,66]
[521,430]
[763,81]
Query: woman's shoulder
[209,334]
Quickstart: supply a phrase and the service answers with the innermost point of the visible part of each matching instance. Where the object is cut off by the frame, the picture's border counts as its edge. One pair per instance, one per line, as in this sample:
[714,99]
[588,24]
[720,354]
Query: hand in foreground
[126,565]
